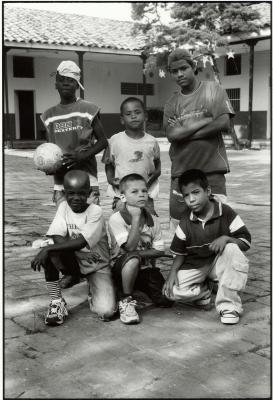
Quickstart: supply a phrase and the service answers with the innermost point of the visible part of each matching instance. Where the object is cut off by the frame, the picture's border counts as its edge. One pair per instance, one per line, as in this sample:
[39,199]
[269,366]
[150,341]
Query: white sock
[54,290]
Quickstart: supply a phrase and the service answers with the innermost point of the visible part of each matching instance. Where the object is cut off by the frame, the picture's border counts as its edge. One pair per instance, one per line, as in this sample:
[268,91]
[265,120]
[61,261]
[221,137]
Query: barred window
[234,97]
[233,65]
[137,88]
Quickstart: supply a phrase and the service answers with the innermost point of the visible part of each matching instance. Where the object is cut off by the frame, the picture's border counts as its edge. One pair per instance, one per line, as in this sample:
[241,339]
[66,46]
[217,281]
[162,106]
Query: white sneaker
[56,312]
[229,317]
[128,314]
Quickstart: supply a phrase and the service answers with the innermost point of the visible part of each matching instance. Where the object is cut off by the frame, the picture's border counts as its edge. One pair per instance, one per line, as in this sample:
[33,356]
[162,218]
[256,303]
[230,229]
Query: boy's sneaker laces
[127,310]
[56,312]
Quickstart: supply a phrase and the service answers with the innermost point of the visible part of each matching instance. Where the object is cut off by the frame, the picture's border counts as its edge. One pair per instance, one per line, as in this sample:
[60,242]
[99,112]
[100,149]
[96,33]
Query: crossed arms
[204,128]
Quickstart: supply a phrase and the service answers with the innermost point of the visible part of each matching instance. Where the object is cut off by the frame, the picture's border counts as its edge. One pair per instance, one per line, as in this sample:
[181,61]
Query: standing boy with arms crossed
[80,242]
[194,118]
[132,151]
[136,240]
[208,242]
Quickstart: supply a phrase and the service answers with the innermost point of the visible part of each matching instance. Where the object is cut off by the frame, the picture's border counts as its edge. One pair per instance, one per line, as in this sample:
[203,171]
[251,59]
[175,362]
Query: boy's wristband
[58,187]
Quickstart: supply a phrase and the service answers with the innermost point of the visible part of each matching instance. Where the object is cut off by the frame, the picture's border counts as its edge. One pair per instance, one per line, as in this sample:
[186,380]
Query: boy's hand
[72,158]
[39,260]
[60,171]
[134,211]
[169,284]
[173,121]
[219,244]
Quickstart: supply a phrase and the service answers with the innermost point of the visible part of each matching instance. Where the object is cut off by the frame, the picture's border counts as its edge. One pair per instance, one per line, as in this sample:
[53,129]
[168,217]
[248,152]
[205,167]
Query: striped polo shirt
[193,236]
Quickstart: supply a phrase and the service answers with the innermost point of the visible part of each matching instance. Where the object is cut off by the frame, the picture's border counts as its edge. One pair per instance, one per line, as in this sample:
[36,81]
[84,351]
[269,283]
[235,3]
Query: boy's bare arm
[172,277]
[176,131]
[153,253]
[134,234]
[66,245]
[156,174]
[110,175]
[220,124]
[100,136]
[59,239]
[219,244]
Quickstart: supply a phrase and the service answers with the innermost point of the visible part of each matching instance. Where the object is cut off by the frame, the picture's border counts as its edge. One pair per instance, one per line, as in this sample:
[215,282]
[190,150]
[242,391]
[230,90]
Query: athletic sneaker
[229,317]
[56,312]
[127,311]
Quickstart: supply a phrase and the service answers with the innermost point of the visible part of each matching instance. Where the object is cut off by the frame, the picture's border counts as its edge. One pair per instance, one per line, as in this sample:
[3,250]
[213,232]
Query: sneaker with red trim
[229,317]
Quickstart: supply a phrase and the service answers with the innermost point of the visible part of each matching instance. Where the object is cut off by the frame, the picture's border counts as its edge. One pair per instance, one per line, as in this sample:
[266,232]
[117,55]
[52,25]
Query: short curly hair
[180,54]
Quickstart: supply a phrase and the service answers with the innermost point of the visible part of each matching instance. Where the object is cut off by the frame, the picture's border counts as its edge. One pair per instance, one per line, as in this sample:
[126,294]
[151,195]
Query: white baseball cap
[71,70]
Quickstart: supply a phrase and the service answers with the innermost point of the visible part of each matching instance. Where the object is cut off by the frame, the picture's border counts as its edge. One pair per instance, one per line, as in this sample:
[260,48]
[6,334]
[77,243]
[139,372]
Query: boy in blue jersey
[208,243]
[74,125]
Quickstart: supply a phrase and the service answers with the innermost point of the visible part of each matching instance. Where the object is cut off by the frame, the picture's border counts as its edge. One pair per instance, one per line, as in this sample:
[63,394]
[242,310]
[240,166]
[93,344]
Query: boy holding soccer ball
[74,125]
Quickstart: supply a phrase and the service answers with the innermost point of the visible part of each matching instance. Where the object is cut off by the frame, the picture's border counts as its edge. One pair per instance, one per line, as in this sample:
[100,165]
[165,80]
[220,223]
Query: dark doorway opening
[26,114]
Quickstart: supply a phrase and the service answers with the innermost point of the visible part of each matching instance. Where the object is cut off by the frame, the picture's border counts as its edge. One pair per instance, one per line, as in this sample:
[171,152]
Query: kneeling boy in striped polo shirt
[208,243]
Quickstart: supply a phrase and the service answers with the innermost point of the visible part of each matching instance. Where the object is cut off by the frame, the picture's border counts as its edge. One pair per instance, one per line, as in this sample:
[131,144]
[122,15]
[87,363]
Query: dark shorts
[217,183]
[149,280]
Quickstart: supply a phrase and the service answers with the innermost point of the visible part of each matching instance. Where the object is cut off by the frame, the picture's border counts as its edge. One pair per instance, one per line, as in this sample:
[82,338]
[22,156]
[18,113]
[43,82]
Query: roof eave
[89,49]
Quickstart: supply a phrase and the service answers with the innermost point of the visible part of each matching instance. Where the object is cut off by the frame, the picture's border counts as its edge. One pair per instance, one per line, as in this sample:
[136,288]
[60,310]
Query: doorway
[25,118]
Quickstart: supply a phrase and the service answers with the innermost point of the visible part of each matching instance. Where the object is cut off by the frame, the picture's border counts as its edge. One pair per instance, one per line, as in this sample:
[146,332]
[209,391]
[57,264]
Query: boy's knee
[186,292]
[133,262]
[230,248]
[233,252]
[105,312]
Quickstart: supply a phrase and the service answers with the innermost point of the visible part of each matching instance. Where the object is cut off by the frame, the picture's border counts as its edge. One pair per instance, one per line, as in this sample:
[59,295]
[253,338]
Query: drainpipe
[80,57]
[251,44]
[8,132]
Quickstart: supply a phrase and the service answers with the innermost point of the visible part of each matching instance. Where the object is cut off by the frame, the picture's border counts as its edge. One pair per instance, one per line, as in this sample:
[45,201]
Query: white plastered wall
[101,80]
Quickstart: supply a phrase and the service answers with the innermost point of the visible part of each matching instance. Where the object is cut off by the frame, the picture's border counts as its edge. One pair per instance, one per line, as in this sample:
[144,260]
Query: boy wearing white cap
[74,125]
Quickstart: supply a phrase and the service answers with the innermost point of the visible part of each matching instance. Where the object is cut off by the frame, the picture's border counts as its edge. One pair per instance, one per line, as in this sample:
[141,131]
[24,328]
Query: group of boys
[208,241]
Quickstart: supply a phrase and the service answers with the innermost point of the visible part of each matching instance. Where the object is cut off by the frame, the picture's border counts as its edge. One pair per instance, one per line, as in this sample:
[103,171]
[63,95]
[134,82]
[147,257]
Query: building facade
[112,70]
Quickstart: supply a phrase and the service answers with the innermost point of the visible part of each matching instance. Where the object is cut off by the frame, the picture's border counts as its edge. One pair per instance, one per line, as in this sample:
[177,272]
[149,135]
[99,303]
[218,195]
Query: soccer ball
[48,157]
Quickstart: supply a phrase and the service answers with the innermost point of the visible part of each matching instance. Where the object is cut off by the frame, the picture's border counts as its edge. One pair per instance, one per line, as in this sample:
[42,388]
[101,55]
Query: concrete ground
[180,352]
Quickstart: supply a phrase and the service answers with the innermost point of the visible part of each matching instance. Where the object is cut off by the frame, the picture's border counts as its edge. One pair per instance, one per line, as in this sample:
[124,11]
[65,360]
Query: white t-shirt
[150,236]
[130,156]
[90,224]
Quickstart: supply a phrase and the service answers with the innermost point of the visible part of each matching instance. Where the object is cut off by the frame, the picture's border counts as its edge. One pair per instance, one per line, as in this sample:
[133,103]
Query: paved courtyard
[180,352]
